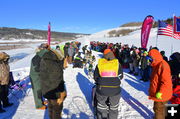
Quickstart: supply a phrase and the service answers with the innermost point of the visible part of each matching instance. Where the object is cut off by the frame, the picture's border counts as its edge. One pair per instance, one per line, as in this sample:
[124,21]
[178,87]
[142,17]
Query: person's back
[107,76]
[163,55]
[78,61]
[52,82]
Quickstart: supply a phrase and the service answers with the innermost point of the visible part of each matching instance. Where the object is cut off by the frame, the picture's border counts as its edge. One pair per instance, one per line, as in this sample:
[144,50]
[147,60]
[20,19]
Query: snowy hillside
[134,103]
[165,43]
[105,32]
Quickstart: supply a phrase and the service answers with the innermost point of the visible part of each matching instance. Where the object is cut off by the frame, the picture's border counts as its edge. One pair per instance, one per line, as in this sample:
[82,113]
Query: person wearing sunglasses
[160,90]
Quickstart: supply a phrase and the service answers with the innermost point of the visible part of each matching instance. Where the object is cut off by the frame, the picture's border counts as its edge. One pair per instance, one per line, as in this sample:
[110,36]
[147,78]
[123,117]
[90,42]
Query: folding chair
[16,86]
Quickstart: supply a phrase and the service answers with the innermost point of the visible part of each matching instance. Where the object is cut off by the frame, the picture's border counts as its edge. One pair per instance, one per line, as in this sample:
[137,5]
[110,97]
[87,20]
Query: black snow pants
[54,109]
[110,110]
[4,95]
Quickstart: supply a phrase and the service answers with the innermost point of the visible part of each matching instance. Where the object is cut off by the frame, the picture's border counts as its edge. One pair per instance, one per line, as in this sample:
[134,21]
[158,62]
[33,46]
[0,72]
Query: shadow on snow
[138,106]
[16,96]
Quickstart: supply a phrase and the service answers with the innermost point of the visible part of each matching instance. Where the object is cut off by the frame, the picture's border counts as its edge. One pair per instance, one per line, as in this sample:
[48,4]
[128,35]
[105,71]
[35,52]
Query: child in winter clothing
[144,67]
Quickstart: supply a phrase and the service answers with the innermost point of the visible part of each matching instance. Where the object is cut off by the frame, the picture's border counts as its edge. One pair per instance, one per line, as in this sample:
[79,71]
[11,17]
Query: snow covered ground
[134,103]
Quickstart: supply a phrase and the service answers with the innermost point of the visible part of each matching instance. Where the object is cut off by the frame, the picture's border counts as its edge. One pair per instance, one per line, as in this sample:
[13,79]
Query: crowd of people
[46,75]
[152,66]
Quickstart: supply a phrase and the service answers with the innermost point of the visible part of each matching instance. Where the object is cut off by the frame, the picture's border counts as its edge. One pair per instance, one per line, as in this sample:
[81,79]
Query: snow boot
[135,74]
[7,105]
[130,72]
[42,108]
[1,110]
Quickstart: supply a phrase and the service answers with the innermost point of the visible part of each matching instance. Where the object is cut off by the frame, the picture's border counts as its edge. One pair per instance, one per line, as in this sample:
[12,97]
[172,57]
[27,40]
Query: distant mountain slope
[166,43]
[7,33]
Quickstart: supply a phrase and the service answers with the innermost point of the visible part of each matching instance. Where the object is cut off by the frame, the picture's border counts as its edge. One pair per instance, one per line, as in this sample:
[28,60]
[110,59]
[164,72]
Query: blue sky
[82,16]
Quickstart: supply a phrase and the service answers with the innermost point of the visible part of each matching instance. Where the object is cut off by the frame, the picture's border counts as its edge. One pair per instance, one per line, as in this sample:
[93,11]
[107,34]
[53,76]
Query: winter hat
[145,52]
[4,56]
[44,46]
[108,54]
[106,51]
[162,53]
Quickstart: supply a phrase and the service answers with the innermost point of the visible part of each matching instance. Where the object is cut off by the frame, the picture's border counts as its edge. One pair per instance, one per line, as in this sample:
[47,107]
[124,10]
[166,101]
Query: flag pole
[171,48]
[173,35]
[49,33]
[156,39]
[157,35]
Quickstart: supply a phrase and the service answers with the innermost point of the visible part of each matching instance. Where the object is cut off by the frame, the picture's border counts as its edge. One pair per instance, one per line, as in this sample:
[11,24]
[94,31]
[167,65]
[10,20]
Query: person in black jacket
[174,64]
[164,56]
[78,61]
[52,82]
[108,75]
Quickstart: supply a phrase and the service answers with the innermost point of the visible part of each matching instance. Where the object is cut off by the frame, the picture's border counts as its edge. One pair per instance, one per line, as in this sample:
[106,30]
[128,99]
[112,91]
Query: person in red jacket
[160,89]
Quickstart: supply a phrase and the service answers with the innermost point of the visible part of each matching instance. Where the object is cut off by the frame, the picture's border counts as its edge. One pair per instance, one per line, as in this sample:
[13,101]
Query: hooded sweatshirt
[160,77]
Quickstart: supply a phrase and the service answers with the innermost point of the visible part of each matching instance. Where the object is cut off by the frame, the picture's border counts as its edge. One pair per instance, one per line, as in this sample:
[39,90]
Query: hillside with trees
[7,33]
[126,31]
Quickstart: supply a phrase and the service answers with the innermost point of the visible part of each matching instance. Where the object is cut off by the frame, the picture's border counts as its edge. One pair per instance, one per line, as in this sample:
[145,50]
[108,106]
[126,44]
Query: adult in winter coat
[160,89]
[34,76]
[108,75]
[4,81]
[71,53]
[136,58]
[175,72]
[52,82]
[164,56]
[65,55]
[175,64]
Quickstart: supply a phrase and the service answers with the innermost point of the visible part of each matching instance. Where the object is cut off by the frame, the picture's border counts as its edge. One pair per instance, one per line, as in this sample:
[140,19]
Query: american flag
[167,30]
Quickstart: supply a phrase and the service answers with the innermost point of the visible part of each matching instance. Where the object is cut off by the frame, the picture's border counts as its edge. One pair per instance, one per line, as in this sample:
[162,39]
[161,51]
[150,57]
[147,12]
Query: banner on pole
[49,33]
[145,30]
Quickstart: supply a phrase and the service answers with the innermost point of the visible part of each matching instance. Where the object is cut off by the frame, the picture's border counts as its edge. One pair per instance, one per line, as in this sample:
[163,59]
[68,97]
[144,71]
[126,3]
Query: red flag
[49,33]
[145,30]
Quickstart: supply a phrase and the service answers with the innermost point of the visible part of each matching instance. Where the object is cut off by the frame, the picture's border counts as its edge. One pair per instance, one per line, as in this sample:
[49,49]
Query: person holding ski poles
[108,75]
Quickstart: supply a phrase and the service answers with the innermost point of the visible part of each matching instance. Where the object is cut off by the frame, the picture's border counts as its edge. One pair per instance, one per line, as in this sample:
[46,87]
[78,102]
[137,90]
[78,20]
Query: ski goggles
[149,59]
